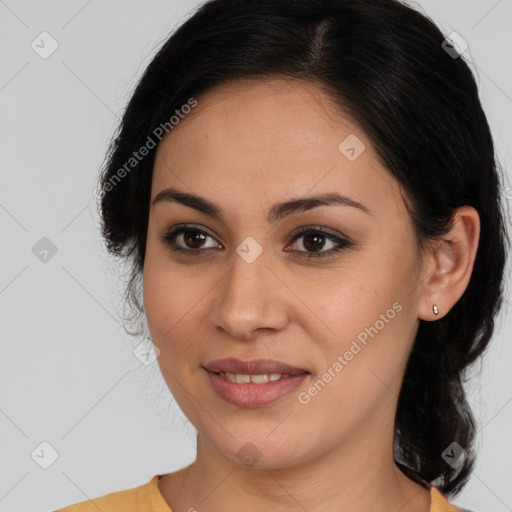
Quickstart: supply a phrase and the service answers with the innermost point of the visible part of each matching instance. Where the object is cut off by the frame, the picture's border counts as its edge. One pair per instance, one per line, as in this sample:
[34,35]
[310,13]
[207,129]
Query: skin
[246,146]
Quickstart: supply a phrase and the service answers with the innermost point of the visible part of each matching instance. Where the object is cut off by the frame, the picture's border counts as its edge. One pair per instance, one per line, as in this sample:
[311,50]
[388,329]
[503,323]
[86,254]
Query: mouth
[260,378]
[253,383]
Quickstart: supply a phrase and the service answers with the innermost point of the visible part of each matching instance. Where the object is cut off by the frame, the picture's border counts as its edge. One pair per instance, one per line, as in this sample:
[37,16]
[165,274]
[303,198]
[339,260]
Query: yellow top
[147,498]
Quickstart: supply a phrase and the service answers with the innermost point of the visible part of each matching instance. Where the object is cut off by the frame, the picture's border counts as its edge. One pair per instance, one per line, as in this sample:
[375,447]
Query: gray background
[68,376]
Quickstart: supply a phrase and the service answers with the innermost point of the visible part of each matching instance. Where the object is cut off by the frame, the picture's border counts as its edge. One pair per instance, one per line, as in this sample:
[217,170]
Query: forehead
[270,140]
[296,110]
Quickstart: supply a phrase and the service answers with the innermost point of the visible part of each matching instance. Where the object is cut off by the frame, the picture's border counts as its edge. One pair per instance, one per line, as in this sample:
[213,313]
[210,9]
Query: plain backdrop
[73,397]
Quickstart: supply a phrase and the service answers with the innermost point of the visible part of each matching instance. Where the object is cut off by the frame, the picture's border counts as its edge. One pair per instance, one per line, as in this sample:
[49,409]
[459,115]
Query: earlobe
[452,259]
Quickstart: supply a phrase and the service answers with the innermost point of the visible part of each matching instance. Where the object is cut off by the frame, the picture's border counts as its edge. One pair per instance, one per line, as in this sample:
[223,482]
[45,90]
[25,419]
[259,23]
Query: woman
[308,193]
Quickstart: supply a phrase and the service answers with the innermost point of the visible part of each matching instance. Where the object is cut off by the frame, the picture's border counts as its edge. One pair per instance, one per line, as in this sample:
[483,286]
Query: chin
[261,453]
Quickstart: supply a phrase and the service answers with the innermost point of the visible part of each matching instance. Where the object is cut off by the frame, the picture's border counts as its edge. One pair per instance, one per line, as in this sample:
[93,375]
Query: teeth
[255,379]
[259,379]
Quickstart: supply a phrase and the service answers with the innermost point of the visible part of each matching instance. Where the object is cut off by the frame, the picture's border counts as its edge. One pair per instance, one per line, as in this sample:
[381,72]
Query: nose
[250,297]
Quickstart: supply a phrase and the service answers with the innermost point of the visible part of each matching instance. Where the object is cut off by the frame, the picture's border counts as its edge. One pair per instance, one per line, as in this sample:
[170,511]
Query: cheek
[368,319]
[174,302]
[362,366]
[169,308]
[156,300]
[166,289]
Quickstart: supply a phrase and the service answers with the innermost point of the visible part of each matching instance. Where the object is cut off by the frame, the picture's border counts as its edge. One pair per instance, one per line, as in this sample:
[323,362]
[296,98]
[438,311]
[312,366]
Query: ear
[448,265]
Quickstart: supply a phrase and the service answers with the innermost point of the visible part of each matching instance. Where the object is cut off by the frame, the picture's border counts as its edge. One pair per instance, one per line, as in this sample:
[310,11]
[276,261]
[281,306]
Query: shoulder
[440,503]
[143,498]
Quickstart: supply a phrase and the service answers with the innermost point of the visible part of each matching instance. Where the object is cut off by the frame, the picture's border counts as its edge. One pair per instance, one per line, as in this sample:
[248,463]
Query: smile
[262,378]
[258,390]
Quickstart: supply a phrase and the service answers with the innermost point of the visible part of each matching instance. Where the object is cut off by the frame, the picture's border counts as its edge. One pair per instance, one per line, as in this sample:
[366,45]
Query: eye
[315,239]
[190,237]
[191,240]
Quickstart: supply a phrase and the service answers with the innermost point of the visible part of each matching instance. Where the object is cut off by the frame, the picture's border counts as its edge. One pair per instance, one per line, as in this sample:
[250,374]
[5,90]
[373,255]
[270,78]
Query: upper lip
[252,367]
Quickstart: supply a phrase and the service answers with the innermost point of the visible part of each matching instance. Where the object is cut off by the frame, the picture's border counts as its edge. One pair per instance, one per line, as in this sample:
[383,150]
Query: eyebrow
[277,211]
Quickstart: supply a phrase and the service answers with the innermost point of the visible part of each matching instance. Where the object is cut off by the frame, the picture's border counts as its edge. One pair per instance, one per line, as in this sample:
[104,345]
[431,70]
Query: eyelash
[341,243]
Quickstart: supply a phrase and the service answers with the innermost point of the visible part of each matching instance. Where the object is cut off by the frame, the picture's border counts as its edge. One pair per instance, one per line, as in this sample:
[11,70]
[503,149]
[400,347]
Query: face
[327,288]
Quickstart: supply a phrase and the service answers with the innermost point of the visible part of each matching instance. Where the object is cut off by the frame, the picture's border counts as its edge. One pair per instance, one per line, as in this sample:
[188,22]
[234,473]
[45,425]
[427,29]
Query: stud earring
[435,309]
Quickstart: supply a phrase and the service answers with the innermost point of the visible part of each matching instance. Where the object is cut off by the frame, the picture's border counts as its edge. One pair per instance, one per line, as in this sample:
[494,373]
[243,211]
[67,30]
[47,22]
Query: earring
[435,309]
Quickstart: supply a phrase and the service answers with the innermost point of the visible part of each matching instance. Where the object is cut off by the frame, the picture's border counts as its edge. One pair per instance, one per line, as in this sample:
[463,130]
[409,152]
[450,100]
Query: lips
[255,383]
[252,367]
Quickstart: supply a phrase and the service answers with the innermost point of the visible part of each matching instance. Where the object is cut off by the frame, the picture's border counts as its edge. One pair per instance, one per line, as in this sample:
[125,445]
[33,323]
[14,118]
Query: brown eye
[187,239]
[314,240]
[193,239]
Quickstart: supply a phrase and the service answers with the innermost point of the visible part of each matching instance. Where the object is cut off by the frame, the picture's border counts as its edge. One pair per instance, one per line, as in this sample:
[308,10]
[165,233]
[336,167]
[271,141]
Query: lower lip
[254,395]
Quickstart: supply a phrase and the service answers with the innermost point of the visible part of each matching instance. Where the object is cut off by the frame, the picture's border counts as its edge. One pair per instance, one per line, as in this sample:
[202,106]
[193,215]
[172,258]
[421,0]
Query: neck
[358,475]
